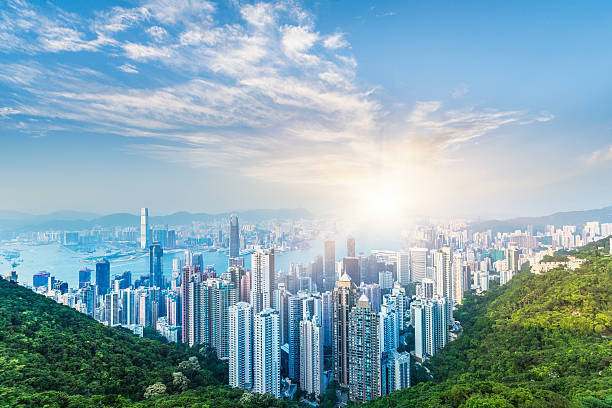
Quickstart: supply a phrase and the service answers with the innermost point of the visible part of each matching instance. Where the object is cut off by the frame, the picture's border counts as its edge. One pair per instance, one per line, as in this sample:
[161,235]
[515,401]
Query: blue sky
[478,108]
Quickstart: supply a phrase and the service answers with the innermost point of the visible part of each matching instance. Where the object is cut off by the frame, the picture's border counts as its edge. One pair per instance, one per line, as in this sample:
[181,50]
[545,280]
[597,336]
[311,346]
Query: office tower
[234,237]
[385,279]
[316,272]
[418,263]
[41,280]
[266,353]
[431,321]
[84,277]
[364,352]
[350,247]
[350,266]
[443,273]
[395,372]
[311,357]
[197,259]
[329,274]
[327,317]
[344,298]
[403,268]
[241,345]
[156,274]
[262,279]
[145,231]
[512,258]
[389,329]
[372,291]
[458,278]
[171,244]
[281,303]
[103,276]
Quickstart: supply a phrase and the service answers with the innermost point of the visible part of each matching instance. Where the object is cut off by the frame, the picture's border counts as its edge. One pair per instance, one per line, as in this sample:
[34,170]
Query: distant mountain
[539,223]
[13,221]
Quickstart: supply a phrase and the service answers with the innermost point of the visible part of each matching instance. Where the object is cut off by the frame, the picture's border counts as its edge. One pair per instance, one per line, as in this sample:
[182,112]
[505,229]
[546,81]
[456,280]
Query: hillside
[539,341]
[54,356]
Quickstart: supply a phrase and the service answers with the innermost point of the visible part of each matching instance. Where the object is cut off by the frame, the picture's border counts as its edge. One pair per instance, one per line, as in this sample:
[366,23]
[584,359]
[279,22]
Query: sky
[442,108]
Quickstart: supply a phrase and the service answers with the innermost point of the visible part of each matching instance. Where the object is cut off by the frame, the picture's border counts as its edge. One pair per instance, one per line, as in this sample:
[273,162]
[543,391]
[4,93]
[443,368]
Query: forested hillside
[538,341]
[54,356]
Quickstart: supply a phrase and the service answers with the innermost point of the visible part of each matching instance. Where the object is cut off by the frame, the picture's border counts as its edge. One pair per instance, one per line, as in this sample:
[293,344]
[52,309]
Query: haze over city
[430,108]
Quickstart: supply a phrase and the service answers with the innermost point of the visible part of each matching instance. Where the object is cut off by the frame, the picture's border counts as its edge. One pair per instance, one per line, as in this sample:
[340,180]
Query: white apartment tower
[262,279]
[241,345]
[311,357]
[266,353]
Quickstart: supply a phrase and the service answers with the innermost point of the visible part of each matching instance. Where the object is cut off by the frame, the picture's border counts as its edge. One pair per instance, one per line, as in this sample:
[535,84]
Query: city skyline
[403,104]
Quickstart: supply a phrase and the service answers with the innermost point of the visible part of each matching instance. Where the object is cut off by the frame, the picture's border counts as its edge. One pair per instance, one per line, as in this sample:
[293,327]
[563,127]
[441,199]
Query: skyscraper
[395,372]
[389,329]
[145,231]
[262,279]
[350,266]
[329,273]
[234,237]
[156,273]
[241,345]
[311,357]
[431,321]
[344,299]
[458,283]
[403,268]
[512,258]
[84,277]
[364,352]
[266,353]
[350,247]
[103,276]
[443,273]
[418,263]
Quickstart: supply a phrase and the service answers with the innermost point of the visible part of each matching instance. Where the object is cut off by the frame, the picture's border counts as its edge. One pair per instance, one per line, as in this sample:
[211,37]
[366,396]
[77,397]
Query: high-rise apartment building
[241,345]
[431,320]
[262,279]
[395,372]
[311,357]
[364,352]
[344,299]
[266,353]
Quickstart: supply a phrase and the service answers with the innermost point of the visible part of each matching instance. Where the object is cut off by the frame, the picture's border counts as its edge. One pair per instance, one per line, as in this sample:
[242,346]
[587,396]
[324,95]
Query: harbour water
[64,263]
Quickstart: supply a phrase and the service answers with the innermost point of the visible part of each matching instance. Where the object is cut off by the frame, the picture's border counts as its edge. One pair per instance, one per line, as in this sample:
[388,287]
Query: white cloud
[6,111]
[129,68]
[600,156]
[460,91]
[158,33]
[144,52]
[335,41]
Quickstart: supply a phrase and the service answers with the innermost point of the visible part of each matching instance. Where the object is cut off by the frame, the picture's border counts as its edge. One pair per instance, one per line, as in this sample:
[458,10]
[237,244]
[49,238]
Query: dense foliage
[538,341]
[52,355]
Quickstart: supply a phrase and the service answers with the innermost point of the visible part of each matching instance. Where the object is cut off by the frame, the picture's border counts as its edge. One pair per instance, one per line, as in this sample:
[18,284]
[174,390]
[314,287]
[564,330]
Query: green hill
[538,341]
[54,356]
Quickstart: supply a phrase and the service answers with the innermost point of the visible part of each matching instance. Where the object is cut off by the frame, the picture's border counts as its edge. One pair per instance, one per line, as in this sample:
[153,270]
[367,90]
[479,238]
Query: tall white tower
[262,279]
[311,357]
[145,232]
[266,353]
[241,345]
[403,268]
